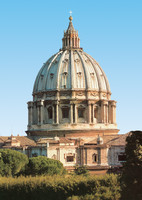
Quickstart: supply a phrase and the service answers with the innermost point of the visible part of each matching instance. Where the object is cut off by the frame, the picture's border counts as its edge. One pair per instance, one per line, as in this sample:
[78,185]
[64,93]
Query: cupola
[71,39]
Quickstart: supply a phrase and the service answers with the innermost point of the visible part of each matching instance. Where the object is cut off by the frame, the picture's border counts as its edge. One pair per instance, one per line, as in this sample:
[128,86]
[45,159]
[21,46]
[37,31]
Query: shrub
[81,171]
[42,165]
[11,162]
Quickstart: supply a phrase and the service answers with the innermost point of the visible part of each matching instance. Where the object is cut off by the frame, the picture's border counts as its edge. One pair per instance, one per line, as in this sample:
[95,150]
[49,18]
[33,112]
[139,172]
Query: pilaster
[89,112]
[40,112]
[75,112]
[30,113]
[104,112]
[53,114]
[113,108]
[57,112]
[71,113]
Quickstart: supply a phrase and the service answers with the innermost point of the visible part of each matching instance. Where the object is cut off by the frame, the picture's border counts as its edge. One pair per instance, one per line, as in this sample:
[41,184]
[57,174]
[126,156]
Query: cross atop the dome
[70,13]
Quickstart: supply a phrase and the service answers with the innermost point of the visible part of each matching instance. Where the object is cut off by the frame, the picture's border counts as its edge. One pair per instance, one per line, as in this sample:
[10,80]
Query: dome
[71,70]
[71,93]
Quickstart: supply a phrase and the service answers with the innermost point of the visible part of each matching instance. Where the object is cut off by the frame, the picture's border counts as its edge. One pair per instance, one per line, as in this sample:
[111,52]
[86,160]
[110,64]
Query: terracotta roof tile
[24,141]
[119,139]
[53,141]
[65,140]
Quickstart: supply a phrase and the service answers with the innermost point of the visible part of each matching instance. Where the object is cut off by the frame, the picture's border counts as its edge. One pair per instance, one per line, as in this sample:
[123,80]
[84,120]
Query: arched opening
[94,158]
[50,112]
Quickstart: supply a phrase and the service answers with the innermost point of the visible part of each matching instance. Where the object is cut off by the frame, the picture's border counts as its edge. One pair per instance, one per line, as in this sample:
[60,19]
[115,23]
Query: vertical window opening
[81,112]
[50,112]
[65,112]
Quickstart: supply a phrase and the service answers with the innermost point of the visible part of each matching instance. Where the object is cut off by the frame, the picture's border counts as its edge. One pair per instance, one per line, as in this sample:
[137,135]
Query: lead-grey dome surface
[71,70]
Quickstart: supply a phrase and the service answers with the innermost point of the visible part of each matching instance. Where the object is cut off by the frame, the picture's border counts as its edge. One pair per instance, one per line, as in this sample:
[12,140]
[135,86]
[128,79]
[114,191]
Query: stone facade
[94,152]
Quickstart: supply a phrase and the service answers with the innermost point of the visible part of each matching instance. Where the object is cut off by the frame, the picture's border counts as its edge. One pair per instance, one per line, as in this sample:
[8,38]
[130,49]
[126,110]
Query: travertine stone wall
[95,114]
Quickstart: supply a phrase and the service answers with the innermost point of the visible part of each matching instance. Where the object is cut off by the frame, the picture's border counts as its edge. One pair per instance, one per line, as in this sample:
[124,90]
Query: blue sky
[31,31]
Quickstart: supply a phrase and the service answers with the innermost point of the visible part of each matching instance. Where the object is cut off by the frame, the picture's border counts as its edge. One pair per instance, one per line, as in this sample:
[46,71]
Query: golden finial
[70,18]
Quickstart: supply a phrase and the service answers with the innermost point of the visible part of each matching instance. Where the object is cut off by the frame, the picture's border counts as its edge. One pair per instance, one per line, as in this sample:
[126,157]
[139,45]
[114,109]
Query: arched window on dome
[50,112]
[65,112]
[94,158]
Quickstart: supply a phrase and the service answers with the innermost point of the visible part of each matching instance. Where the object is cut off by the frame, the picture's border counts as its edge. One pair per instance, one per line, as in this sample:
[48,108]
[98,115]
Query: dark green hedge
[56,187]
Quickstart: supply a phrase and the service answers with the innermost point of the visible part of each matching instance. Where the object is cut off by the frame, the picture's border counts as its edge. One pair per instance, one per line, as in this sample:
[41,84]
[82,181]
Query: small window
[94,158]
[51,75]
[65,112]
[80,112]
[122,158]
[50,112]
[70,158]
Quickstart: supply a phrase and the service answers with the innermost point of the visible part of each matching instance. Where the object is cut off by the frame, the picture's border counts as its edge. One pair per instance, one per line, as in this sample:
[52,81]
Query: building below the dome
[97,153]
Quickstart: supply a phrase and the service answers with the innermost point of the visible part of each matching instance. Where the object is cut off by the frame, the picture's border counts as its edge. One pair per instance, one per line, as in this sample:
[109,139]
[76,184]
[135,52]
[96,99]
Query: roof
[54,141]
[120,141]
[113,140]
[24,140]
[70,28]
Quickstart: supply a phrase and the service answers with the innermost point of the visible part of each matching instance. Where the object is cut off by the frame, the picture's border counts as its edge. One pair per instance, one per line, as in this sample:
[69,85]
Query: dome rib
[105,77]
[86,75]
[59,69]
[72,71]
[106,80]
[37,79]
[96,71]
[49,66]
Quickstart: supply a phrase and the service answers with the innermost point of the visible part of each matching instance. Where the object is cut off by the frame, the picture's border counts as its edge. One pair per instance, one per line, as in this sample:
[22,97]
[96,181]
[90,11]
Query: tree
[11,162]
[42,165]
[132,170]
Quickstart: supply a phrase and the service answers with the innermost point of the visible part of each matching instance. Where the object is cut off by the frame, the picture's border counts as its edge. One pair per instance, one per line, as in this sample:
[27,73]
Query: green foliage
[81,171]
[132,171]
[61,187]
[11,162]
[42,165]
